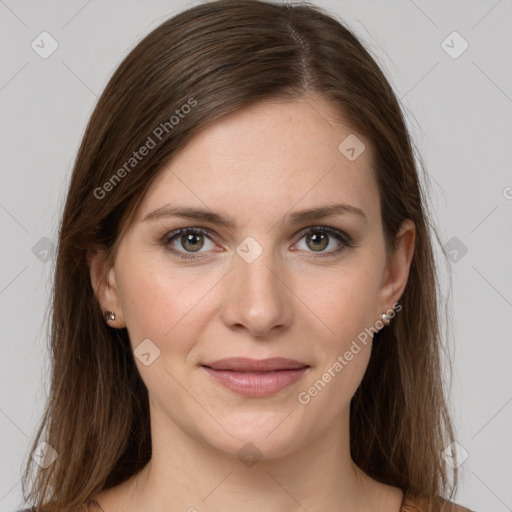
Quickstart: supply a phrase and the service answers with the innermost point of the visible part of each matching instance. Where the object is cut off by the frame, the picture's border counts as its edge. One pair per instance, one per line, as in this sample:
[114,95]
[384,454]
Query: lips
[256,378]
[243,364]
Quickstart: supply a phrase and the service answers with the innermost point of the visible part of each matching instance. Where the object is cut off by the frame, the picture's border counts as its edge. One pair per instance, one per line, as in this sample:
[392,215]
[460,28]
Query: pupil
[318,240]
[190,239]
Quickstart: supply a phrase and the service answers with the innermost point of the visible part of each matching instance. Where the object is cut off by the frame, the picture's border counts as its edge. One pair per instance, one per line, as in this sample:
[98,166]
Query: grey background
[459,113]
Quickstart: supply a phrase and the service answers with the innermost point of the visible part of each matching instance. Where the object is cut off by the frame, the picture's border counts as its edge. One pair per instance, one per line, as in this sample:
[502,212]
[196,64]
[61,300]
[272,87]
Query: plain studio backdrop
[448,62]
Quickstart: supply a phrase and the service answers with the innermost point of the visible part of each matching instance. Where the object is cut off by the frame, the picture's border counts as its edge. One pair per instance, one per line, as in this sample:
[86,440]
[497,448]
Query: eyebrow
[297,217]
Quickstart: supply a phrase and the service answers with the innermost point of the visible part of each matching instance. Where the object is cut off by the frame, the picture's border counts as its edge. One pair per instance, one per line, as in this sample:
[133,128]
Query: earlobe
[104,284]
[398,266]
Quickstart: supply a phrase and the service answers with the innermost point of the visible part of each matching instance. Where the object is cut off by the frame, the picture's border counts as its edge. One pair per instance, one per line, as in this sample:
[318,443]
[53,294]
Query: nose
[256,296]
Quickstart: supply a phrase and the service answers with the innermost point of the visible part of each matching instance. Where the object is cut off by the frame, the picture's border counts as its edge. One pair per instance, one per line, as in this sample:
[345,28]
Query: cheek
[342,356]
[327,393]
[158,304]
[345,302]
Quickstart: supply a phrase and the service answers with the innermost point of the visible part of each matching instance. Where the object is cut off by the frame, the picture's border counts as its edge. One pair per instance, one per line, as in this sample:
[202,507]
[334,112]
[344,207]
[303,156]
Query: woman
[245,310]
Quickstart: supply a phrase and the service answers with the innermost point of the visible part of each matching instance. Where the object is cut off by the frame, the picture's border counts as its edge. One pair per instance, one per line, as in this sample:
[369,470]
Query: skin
[256,165]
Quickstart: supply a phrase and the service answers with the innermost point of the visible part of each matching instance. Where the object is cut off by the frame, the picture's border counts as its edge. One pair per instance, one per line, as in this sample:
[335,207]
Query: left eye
[320,239]
[192,240]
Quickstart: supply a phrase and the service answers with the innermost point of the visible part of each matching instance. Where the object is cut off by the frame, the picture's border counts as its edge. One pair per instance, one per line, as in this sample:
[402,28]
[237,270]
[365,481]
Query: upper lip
[244,364]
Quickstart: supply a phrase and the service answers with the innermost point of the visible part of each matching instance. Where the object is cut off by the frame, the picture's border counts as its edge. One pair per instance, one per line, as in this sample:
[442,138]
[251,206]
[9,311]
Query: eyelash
[346,241]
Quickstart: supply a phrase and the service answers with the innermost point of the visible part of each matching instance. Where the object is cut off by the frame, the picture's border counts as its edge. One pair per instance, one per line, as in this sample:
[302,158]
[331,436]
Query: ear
[103,281]
[397,268]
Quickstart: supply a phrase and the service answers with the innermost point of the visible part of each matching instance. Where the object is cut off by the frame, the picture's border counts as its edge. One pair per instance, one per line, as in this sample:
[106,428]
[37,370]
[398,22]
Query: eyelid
[337,233]
[168,237]
[345,240]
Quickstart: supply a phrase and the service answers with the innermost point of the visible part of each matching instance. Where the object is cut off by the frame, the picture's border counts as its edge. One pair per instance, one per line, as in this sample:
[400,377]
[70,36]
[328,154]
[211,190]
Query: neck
[185,473]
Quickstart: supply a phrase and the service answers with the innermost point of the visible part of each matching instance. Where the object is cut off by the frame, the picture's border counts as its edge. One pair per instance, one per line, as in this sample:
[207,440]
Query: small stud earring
[385,318]
[108,315]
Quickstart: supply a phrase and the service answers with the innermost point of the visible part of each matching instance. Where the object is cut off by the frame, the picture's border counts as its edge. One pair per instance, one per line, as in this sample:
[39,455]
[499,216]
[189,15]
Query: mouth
[256,378]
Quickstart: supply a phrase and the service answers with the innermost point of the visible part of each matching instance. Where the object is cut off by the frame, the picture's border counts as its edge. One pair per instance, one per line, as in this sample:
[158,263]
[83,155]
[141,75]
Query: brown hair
[216,58]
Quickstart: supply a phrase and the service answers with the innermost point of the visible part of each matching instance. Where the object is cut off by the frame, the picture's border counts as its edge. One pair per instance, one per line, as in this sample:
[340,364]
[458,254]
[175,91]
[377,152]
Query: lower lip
[256,384]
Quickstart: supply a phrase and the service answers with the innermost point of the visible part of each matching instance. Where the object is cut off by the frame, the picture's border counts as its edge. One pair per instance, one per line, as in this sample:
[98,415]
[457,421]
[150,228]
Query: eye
[192,240]
[318,238]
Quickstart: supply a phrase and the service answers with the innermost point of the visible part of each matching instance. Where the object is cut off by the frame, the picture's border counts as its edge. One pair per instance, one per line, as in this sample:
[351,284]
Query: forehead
[269,157]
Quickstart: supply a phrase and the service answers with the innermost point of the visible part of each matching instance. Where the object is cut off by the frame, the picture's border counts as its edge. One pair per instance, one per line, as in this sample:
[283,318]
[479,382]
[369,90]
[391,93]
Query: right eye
[192,240]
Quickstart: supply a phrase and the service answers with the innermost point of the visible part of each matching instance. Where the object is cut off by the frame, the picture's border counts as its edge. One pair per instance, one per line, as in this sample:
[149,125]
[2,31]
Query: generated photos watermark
[156,136]
[304,397]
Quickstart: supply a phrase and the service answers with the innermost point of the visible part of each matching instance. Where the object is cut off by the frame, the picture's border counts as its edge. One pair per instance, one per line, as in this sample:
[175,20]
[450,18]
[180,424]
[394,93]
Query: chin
[255,436]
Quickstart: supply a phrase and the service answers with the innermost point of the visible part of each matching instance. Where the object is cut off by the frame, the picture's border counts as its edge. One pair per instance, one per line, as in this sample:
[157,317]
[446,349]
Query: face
[270,283]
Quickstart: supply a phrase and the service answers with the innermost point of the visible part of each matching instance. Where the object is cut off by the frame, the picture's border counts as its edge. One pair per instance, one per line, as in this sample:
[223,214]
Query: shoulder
[422,504]
[450,506]
[90,505]
[453,507]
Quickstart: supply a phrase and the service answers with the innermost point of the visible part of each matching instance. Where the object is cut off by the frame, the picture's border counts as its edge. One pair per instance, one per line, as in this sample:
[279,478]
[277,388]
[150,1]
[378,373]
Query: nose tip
[256,299]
